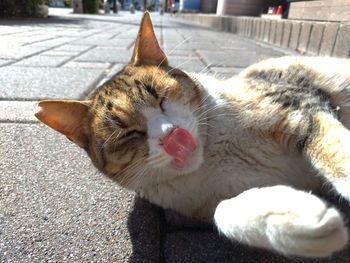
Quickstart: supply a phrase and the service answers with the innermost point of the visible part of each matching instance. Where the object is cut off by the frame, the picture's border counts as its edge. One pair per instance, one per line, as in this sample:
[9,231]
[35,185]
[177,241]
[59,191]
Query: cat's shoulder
[319,65]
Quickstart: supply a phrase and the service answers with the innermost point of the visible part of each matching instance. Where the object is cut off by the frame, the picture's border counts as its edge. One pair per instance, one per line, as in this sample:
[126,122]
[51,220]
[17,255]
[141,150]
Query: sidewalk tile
[46,83]
[43,61]
[104,54]
[18,111]
[55,206]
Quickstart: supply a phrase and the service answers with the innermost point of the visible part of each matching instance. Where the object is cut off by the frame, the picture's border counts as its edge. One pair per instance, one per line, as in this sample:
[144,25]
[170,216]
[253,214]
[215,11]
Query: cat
[247,153]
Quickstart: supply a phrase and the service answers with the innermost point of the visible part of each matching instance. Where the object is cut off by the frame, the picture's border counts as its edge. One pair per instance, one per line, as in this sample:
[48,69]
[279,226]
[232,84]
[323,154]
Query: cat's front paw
[308,232]
[289,221]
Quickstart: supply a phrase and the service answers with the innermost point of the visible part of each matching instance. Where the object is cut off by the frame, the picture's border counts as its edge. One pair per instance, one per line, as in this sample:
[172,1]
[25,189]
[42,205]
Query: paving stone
[53,42]
[267,30]
[104,54]
[315,38]
[236,58]
[250,26]
[179,52]
[43,61]
[4,62]
[234,25]
[46,83]
[279,33]
[190,64]
[221,59]
[109,73]
[262,29]
[72,48]
[60,53]
[272,34]
[226,24]
[93,65]
[10,30]
[190,45]
[25,39]
[18,53]
[195,246]
[120,43]
[17,111]
[239,26]
[55,206]
[304,37]
[342,46]
[295,35]
[286,34]
[257,28]
[174,221]
[329,36]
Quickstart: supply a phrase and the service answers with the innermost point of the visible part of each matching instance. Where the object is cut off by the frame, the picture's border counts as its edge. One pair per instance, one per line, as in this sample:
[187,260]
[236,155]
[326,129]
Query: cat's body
[235,159]
[241,153]
[232,151]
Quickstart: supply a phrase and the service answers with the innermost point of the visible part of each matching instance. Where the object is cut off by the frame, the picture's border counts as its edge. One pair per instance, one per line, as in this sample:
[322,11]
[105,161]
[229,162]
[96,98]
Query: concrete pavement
[54,205]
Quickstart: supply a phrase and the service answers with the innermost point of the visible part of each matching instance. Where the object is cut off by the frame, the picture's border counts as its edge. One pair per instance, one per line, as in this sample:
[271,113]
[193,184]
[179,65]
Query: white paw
[310,233]
[281,218]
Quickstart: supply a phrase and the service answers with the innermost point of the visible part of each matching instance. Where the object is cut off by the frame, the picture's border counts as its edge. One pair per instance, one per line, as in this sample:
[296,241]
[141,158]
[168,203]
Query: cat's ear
[67,117]
[147,50]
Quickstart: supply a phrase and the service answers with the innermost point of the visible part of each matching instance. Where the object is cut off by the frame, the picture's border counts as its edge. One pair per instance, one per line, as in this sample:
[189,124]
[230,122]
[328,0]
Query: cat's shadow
[145,230]
[148,230]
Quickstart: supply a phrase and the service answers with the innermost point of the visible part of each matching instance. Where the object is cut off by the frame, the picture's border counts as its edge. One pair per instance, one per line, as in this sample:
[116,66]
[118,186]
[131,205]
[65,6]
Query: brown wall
[240,7]
[322,10]
[209,6]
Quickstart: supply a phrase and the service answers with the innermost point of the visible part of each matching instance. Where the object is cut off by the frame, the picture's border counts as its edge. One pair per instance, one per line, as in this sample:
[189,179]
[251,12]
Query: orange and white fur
[246,153]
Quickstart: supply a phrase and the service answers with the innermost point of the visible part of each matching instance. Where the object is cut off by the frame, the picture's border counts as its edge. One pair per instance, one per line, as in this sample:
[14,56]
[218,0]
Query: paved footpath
[54,206]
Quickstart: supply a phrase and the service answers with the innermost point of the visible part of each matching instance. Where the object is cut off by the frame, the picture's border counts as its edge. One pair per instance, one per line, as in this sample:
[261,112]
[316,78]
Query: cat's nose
[159,126]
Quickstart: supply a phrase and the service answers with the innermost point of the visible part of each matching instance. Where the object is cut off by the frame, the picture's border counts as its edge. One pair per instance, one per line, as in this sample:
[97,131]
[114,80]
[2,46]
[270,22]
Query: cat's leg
[281,218]
[328,150]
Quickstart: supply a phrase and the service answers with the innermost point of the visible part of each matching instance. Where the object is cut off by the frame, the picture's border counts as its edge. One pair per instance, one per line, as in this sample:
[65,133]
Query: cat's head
[144,124]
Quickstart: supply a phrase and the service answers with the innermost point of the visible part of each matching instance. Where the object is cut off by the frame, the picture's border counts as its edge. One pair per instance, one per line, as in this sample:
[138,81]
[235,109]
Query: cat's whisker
[178,45]
[139,177]
[215,116]
[129,171]
[199,108]
[109,137]
[156,160]
[209,110]
[205,124]
[160,63]
[175,68]
[206,67]
[100,113]
[207,97]
[206,134]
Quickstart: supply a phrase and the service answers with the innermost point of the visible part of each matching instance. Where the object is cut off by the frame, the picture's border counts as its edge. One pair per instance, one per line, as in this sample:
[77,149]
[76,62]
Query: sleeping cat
[245,153]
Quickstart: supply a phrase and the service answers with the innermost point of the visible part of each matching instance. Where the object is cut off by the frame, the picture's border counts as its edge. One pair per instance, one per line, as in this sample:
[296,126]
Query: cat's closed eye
[130,135]
[161,104]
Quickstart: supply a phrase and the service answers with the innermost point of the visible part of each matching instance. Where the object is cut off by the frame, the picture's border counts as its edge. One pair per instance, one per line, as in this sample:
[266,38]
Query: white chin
[192,165]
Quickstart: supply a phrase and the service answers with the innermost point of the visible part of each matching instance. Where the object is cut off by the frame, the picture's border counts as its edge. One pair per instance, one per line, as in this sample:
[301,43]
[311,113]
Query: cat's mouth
[180,145]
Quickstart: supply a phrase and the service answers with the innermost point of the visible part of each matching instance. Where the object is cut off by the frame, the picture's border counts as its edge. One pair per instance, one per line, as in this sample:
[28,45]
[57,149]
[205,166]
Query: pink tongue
[180,144]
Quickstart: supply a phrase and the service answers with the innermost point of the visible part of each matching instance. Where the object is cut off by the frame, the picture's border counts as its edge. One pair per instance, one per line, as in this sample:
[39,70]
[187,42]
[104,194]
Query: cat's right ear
[67,117]
[147,50]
